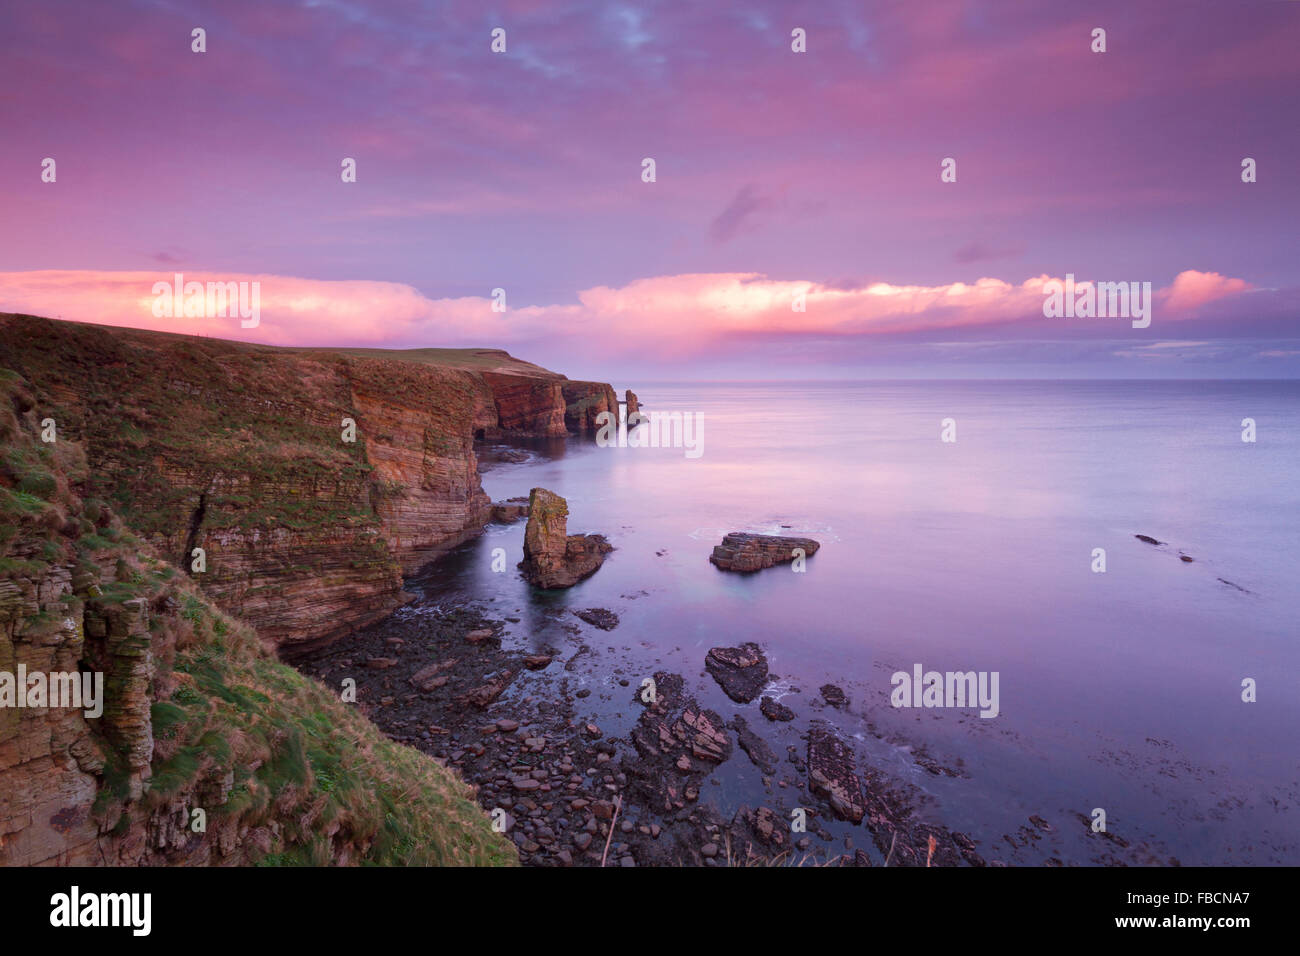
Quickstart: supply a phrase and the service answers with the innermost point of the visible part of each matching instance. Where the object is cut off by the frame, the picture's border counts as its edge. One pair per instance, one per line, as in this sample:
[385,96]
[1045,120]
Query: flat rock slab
[483,695]
[832,774]
[742,671]
[599,617]
[743,551]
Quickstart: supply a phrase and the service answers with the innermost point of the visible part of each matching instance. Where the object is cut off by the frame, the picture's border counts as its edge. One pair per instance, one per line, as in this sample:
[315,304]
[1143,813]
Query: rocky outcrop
[510,510]
[553,558]
[584,401]
[633,405]
[741,671]
[312,479]
[831,773]
[754,746]
[207,751]
[600,617]
[773,709]
[677,741]
[742,551]
[834,695]
[528,407]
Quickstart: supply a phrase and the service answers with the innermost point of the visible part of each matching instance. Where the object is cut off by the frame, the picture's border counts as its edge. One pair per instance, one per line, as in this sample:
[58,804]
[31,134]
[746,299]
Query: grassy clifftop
[198,715]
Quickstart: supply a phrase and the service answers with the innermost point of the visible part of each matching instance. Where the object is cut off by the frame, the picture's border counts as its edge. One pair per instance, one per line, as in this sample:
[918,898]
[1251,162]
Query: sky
[778,176]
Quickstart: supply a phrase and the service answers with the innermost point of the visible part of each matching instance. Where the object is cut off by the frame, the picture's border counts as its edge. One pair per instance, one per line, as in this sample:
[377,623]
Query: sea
[1148,707]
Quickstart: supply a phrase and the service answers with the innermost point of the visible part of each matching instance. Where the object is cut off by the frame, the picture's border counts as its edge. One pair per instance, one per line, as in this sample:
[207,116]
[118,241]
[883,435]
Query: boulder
[742,551]
[742,671]
[773,709]
[482,696]
[834,695]
[552,557]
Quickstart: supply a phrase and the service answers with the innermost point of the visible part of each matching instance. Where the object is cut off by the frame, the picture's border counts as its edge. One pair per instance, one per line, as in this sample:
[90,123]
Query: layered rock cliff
[312,479]
[207,751]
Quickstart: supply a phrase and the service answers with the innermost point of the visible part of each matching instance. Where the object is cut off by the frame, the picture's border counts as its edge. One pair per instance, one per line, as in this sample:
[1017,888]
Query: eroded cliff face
[244,451]
[205,750]
[584,401]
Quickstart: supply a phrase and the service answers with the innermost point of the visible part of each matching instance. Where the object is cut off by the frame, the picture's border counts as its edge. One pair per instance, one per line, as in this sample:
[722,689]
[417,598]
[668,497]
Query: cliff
[241,450]
[208,752]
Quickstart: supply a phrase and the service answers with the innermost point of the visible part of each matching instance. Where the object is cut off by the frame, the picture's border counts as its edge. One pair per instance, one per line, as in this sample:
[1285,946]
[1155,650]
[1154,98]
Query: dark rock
[775,710]
[763,757]
[1147,538]
[834,696]
[599,617]
[742,671]
[510,510]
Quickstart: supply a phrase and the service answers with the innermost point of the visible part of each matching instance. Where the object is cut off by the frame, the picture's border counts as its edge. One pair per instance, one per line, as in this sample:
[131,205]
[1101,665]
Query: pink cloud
[665,315]
[1192,289]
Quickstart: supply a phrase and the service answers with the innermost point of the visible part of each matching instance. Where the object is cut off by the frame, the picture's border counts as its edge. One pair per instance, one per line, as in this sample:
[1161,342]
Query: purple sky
[522,171]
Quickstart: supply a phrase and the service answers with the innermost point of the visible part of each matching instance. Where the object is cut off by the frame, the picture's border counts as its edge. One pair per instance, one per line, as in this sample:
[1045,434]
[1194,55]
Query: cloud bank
[672,316]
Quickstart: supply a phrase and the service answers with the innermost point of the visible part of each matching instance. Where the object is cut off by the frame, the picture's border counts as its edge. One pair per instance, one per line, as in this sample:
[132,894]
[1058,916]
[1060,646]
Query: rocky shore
[519,727]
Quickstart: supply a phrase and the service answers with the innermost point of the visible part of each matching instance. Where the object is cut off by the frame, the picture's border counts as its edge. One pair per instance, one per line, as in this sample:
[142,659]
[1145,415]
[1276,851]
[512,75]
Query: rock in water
[742,551]
[510,510]
[773,709]
[552,557]
[600,617]
[834,696]
[742,671]
[832,774]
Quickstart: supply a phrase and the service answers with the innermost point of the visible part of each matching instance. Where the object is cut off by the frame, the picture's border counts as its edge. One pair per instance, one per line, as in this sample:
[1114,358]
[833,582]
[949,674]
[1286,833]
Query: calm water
[1119,690]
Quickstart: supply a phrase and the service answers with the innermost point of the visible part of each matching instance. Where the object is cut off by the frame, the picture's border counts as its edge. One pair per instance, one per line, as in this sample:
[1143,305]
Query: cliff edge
[312,479]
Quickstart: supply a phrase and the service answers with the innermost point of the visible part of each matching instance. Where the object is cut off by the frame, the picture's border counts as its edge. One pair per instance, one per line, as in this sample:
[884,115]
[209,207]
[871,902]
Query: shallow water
[1119,690]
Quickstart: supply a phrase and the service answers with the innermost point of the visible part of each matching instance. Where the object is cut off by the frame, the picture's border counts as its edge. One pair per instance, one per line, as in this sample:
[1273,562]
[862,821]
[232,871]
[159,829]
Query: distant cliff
[242,451]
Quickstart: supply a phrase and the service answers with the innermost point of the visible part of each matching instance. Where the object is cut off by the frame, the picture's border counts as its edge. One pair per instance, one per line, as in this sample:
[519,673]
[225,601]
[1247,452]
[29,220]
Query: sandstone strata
[831,773]
[742,551]
[584,401]
[243,451]
[553,558]
[194,714]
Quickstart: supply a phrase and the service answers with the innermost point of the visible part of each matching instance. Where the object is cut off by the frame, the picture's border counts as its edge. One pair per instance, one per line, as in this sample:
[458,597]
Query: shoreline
[517,726]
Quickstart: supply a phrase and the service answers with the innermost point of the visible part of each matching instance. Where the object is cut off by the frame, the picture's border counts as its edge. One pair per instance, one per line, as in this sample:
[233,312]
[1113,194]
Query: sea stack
[553,558]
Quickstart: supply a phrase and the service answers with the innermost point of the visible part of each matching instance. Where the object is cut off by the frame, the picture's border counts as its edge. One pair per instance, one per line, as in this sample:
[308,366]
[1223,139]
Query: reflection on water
[1119,689]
